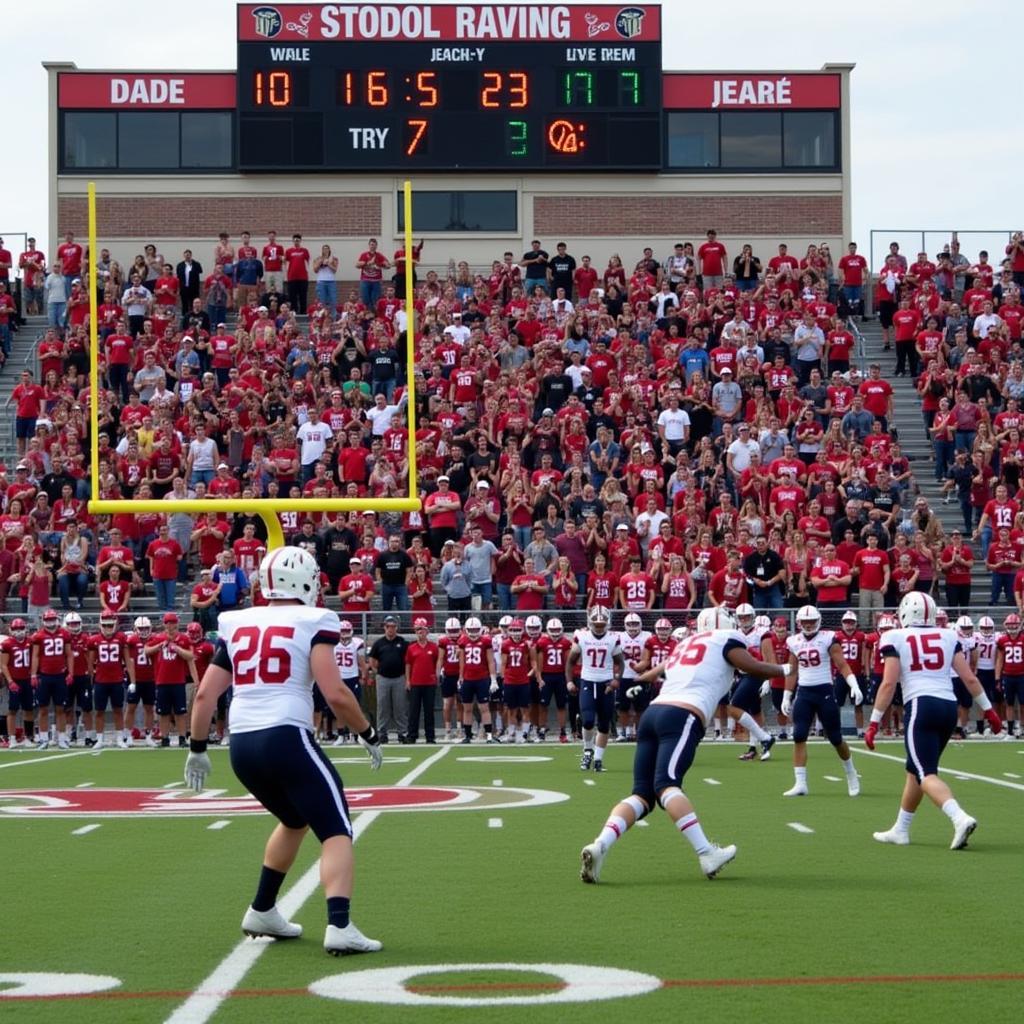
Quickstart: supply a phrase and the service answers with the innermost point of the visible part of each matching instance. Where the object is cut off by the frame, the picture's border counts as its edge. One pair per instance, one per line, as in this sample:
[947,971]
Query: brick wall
[690,215]
[199,217]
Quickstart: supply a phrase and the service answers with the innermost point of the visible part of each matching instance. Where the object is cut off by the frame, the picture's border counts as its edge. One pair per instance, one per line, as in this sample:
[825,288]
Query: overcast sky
[937,138]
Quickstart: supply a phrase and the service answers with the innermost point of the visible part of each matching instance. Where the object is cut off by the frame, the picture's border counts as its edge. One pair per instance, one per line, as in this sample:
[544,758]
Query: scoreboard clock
[379,87]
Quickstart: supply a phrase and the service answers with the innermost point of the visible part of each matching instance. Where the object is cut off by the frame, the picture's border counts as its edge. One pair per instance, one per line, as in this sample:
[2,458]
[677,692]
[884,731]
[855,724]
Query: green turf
[157,902]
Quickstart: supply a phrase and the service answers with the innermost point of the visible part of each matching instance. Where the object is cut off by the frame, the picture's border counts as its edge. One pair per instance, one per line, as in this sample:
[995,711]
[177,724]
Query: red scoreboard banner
[151,90]
[741,90]
[601,23]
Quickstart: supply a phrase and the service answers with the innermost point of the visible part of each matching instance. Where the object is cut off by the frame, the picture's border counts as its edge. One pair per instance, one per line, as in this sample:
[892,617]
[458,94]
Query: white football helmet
[289,572]
[142,626]
[73,622]
[633,624]
[452,627]
[849,621]
[504,623]
[474,627]
[763,623]
[965,626]
[941,617]
[917,609]
[885,622]
[745,616]
[534,627]
[108,623]
[555,628]
[597,619]
[680,633]
[715,618]
[986,625]
[345,629]
[663,629]
[808,619]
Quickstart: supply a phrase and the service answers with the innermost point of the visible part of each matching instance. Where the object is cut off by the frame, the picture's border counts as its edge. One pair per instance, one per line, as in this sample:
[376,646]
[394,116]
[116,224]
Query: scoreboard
[406,87]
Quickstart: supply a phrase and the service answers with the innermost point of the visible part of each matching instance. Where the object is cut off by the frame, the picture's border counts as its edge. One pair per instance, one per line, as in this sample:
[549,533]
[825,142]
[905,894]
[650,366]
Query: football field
[123,893]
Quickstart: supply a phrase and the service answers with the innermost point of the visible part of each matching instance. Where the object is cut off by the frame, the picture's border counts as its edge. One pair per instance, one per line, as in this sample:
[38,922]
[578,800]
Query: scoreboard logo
[268,21]
[629,22]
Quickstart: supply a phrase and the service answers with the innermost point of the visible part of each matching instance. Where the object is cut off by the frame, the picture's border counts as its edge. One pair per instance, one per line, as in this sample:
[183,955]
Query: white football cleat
[853,785]
[63,743]
[99,741]
[270,923]
[962,832]
[715,859]
[150,742]
[128,741]
[894,836]
[591,858]
[122,743]
[342,941]
[799,789]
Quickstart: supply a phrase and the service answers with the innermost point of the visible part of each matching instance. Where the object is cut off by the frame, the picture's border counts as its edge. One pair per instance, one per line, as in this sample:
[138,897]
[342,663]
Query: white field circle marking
[504,759]
[38,985]
[583,984]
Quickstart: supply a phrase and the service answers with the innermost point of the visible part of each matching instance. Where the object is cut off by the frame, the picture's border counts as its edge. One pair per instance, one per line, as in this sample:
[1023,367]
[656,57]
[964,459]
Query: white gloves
[766,688]
[494,687]
[634,691]
[787,703]
[855,691]
[197,767]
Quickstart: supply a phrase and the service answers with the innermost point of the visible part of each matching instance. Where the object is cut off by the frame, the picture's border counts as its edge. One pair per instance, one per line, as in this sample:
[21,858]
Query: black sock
[269,887]
[337,911]
[30,730]
[488,728]
[468,730]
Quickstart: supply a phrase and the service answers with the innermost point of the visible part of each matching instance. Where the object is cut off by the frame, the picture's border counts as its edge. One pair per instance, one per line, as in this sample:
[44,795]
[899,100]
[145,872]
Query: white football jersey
[269,648]
[347,657]
[697,672]
[986,648]
[632,650]
[926,660]
[496,641]
[597,655]
[753,639]
[967,644]
[814,663]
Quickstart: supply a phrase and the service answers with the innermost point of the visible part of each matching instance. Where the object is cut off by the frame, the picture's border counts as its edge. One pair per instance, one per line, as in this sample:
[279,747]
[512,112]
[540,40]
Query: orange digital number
[426,84]
[274,88]
[418,130]
[490,95]
[518,90]
[377,89]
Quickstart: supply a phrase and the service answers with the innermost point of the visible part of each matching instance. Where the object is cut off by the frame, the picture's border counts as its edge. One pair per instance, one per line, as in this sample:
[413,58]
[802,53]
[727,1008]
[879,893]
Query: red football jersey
[553,654]
[659,650]
[515,661]
[203,652]
[170,667]
[19,658]
[109,656]
[1013,654]
[52,650]
[80,653]
[474,655]
[449,655]
[780,651]
[144,667]
[877,661]
[853,646]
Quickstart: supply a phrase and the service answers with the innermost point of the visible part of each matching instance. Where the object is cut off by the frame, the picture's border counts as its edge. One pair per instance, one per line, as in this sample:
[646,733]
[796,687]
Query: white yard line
[216,826]
[226,976]
[955,772]
[712,782]
[832,778]
[796,826]
[43,760]
[85,785]
[174,785]
[85,830]
[589,782]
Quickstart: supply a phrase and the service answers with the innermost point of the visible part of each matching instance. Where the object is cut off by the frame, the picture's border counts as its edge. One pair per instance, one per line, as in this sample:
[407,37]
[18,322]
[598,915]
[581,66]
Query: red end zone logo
[181,803]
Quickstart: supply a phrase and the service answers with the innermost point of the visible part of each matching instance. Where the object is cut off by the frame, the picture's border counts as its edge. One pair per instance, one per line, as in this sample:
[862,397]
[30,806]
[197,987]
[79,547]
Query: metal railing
[931,240]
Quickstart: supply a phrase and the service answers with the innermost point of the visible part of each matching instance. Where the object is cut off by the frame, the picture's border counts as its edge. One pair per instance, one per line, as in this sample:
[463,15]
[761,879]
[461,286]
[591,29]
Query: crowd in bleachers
[668,431]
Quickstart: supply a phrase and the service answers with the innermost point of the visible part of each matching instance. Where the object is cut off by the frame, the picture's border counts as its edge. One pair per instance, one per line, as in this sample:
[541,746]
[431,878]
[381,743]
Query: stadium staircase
[918,449]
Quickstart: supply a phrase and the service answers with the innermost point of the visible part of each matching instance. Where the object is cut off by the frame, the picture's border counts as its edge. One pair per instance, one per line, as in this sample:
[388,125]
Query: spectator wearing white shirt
[737,329]
[665,300]
[381,414]
[648,524]
[740,452]
[457,330]
[985,321]
[808,345]
[313,436]
[674,425]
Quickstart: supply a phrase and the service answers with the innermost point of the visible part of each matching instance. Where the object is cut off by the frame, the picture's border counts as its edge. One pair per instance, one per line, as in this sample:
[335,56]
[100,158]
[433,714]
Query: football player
[517,660]
[745,703]
[271,655]
[633,697]
[597,650]
[550,656]
[80,690]
[141,681]
[534,631]
[876,665]
[202,651]
[698,673]
[813,652]
[174,662]
[922,657]
[108,656]
[52,662]
[448,670]
[350,654]
[1010,669]
[853,643]
[985,669]
[16,667]
[968,644]
[477,679]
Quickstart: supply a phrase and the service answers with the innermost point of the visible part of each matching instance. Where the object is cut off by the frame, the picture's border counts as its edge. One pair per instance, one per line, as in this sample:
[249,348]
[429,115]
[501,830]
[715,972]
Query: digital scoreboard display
[405,87]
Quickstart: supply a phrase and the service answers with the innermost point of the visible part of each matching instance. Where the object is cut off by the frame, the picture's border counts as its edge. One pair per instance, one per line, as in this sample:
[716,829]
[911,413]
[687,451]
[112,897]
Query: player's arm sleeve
[888,651]
[221,658]
[326,630]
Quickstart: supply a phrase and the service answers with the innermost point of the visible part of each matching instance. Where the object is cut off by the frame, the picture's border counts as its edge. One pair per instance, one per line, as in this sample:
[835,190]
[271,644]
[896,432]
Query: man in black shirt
[338,544]
[393,567]
[765,572]
[387,660]
[562,267]
[308,539]
[536,263]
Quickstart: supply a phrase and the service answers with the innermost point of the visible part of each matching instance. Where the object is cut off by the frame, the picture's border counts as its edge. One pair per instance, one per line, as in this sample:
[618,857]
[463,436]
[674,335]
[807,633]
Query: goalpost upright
[267,508]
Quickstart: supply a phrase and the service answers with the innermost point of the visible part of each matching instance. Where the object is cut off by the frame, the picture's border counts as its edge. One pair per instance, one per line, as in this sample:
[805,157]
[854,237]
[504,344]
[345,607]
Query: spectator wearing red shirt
[871,567]
[421,657]
[28,398]
[69,255]
[203,599]
[728,587]
[1004,562]
[297,274]
[906,323]
[711,261]
[831,577]
[877,395]
[529,589]
[955,561]
[371,266]
[163,555]
[356,589]
[851,275]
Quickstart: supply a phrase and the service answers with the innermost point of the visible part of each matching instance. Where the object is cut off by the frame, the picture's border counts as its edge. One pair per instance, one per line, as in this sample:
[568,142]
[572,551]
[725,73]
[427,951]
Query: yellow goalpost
[267,508]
